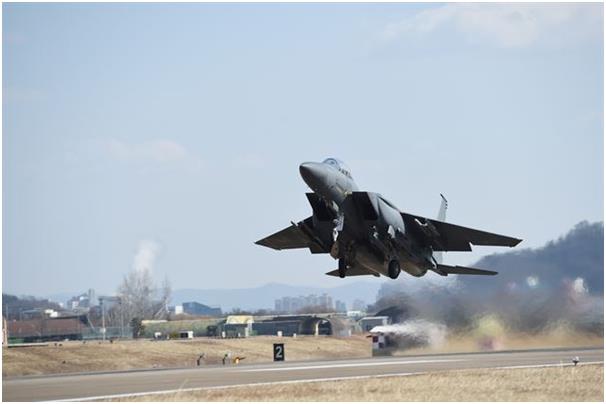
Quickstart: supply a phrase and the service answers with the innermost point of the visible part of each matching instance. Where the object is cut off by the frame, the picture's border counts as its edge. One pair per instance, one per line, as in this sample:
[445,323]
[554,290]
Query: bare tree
[136,293]
[161,309]
[141,299]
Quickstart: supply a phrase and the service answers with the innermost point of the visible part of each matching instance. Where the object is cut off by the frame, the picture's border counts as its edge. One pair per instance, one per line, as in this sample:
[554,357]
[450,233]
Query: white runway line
[327,379]
[191,389]
[350,365]
[550,365]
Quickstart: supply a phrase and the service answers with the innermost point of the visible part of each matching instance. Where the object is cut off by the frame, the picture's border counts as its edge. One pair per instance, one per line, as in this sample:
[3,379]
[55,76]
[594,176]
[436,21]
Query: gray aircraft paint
[369,235]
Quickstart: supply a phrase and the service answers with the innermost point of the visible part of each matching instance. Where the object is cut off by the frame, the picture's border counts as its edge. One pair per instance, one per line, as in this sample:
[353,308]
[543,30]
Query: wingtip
[262,243]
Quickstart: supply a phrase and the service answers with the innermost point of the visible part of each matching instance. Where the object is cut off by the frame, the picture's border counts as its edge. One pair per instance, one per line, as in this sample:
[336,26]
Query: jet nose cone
[313,174]
[306,170]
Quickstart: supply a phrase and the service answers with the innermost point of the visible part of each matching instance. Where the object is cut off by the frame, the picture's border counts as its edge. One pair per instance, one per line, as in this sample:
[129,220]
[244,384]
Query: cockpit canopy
[339,165]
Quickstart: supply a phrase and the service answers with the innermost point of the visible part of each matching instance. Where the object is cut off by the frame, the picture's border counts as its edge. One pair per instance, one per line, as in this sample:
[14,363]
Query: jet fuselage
[369,241]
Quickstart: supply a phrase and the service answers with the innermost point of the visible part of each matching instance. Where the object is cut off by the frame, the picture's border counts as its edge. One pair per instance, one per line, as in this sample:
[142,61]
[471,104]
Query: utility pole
[121,317]
[102,317]
[5,329]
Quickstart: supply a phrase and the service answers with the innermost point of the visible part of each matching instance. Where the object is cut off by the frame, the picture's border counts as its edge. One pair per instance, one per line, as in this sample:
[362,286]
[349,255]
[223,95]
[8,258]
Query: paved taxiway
[102,385]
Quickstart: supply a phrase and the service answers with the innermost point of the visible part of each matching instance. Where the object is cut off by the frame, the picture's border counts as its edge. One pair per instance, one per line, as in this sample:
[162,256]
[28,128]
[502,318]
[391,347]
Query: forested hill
[578,254]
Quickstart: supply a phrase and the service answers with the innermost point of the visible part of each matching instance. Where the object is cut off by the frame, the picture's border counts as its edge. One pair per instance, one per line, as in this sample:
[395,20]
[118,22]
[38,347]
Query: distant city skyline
[292,304]
[167,137]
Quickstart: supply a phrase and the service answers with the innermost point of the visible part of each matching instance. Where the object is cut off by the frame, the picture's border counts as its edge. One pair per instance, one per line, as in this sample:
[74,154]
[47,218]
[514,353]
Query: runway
[104,385]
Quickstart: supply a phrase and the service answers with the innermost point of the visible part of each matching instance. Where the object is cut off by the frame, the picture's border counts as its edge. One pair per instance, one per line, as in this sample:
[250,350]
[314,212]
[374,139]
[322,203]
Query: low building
[186,334]
[355,314]
[289,325]
[286,328]
[239,326]
[38,314]
[48,329]
[154,321]
[83,301]
[175,310]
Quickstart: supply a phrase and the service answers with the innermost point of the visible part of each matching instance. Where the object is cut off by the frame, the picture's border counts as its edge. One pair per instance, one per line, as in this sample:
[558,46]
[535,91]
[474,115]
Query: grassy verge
[141,354]
[580,383]
[123,355]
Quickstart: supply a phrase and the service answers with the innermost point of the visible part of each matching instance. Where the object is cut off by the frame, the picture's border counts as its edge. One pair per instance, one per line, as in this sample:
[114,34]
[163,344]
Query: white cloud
[162,151]
[157,151]
[514,25]
[149,156]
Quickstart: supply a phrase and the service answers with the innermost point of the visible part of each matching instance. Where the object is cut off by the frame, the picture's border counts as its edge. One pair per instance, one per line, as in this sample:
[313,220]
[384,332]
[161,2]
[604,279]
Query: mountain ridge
[263,297]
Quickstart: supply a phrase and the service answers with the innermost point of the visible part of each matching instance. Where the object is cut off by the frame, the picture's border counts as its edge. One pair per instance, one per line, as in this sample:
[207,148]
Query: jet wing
[445,270]
[444,236]
[299,235]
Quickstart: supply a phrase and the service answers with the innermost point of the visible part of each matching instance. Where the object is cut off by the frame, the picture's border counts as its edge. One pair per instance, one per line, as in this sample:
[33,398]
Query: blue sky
[178,129]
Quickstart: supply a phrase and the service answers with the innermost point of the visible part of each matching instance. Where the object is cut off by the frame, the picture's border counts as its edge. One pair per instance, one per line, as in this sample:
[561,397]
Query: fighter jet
[369,235]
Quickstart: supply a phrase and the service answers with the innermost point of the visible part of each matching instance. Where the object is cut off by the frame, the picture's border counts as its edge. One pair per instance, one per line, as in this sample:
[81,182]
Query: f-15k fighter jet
[369,235]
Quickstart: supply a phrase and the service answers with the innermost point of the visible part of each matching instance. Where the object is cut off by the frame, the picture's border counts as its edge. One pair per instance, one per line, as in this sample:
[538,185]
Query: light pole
[121,317]
[102,317]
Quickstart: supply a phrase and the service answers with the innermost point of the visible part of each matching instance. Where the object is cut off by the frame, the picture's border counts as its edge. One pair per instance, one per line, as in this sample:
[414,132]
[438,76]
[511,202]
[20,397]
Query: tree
[136,294]
[141,299]
[161,311]
[137,325]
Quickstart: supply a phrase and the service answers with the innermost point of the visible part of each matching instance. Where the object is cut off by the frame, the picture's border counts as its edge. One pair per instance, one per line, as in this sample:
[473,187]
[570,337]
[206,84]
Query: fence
[125,332]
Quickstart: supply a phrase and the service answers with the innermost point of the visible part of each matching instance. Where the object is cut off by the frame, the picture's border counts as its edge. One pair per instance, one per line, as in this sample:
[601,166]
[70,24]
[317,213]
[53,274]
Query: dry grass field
[75,356]
[122,355]
[566,383]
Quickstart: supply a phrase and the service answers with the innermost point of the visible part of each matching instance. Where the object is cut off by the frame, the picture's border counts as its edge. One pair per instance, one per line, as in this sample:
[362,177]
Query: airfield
[535,374]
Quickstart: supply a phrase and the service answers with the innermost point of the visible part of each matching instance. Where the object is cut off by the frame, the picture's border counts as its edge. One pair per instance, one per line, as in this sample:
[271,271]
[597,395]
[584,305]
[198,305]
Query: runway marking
[550,365]
[189,389]
[327,379]
[350,365]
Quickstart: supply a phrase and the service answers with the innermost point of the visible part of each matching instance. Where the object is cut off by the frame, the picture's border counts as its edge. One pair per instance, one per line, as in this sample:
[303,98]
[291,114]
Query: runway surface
[104,385]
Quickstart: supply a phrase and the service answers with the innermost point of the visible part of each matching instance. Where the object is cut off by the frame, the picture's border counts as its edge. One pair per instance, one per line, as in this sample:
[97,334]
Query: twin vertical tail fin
[438,256]
[442,212]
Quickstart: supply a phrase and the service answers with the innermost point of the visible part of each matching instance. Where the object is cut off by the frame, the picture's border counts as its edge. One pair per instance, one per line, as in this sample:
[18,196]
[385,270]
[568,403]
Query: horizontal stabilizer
[445,270]
[353,271]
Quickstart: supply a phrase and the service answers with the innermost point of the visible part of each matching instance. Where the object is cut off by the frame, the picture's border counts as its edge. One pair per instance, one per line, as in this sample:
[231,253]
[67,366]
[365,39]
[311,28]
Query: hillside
[578,254]
[560,284]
